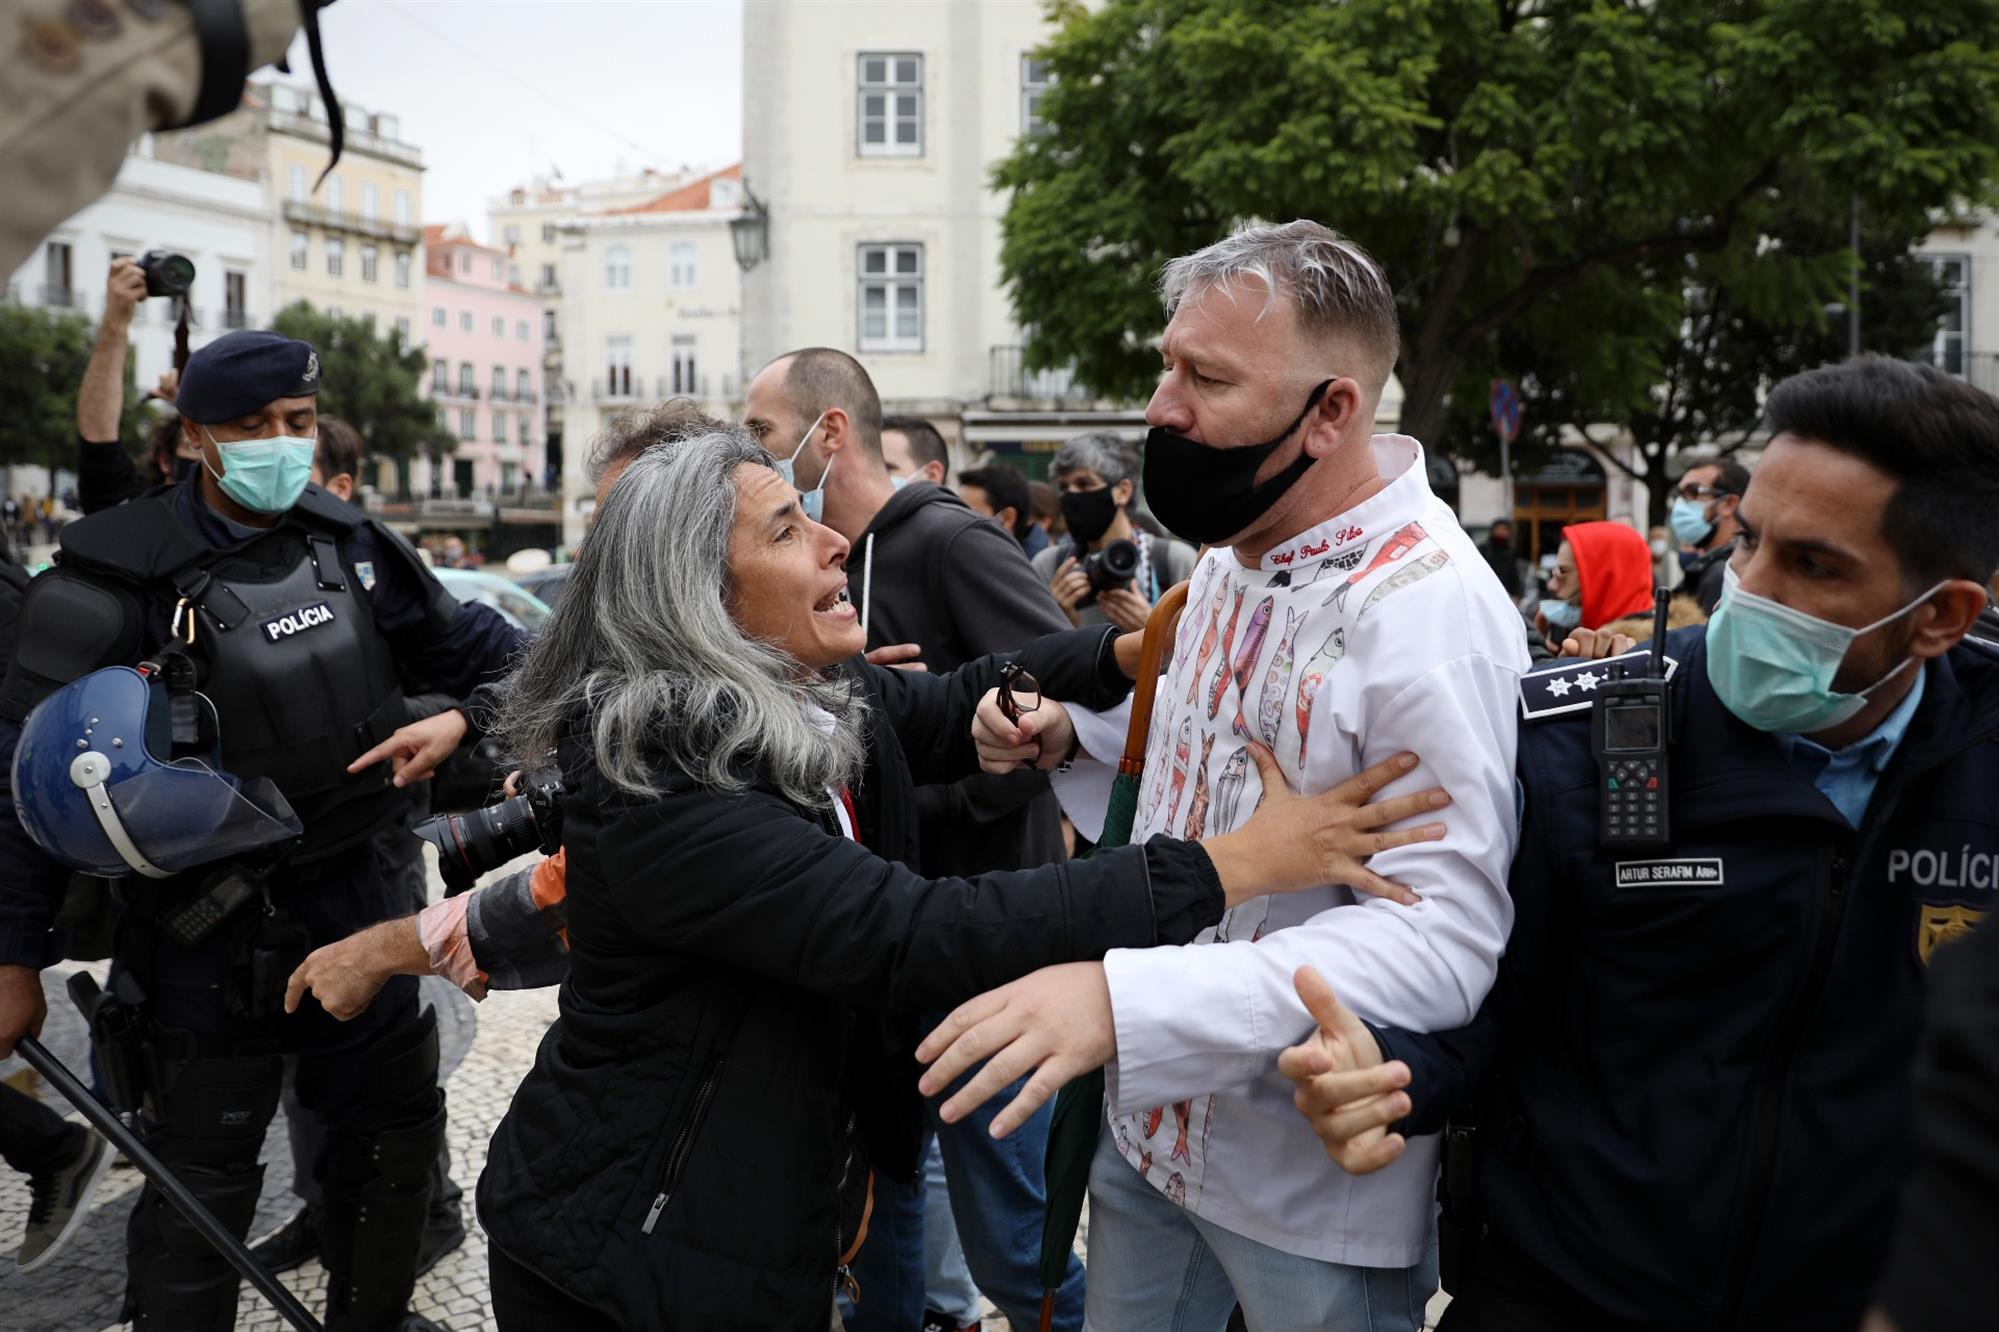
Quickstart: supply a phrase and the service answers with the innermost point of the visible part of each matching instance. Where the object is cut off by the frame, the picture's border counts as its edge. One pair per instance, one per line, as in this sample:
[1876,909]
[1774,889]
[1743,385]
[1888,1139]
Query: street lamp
[749,231]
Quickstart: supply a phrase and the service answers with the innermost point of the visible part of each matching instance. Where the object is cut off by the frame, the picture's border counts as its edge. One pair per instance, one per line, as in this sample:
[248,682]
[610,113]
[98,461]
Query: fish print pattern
[1197,809]
[1183,1114]
[1182,751]
[1406,539]
[1330,652]
[1228,790]
[1222,666]
[1277,680]
[1208,640]
[1176,1189]
[1403,577]
[1245,657]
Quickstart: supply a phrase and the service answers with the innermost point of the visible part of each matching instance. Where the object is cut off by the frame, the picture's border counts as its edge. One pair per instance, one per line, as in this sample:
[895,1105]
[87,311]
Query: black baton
[104,1121]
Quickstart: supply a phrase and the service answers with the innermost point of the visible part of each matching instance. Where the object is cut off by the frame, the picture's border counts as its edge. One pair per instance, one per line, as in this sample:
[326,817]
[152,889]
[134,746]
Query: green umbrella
[1078,1116]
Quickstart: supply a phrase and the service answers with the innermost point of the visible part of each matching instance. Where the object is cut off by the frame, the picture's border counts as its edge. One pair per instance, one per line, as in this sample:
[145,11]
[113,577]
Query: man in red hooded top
[1603,573]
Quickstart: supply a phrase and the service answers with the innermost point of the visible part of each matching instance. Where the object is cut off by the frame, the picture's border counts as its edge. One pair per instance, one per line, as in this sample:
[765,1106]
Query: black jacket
[1702,580]
[691,1148]
[934,573]
[1699,1111]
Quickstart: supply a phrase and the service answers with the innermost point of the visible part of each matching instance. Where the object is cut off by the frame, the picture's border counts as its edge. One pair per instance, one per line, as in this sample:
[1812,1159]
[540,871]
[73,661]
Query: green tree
[372,382]
[42,356]
[1545,170]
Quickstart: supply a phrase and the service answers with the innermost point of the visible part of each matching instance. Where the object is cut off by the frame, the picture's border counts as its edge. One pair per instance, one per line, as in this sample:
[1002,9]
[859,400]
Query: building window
[440,378]
[513,275]
[235,299]
[548,233]
[297,176]
[891,105]
[468,423]
[548,277]
[368,320]
[300,244]
[500,381]
[510,475]
[402,208]
[521,330]
[1034,81]
[57,273]
[499,326]
[464,321]
[499,428]
[513,235]
[336,256]
[618,268]
[521,389]
[680,264]
[333,312]
[466,388]
[683,365]
[443,419]
[464,262]
[1947,348]
[370,263]
[891,297]
[618,367]
[367,202]
[403,269]
[403,328]
[437,316]
[336,193]
[548,325]
[499,270]
[527,430]
[461,476]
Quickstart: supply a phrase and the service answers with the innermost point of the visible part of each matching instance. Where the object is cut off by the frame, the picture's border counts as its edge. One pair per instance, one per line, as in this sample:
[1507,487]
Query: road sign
[1505,411]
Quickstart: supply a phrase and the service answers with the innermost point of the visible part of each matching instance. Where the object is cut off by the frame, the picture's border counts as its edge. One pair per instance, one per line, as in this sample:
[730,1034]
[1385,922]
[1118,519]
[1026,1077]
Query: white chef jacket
[1377,631]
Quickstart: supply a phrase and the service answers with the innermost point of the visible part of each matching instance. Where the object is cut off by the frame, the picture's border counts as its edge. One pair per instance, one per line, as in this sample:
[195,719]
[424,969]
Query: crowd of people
[1429,953]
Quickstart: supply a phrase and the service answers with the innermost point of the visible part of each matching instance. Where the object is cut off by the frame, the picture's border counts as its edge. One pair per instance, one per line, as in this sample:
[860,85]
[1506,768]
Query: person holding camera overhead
[696,1143]
[290,612]
[1109,571]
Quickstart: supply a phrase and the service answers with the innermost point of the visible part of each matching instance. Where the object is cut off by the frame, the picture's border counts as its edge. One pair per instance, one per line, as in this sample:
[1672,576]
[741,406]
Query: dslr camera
[1109,569]
[468,845]
[167,273]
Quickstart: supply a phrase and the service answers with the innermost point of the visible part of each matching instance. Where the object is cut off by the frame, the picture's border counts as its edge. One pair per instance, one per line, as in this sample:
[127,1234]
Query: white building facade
[650,309]
[222,222]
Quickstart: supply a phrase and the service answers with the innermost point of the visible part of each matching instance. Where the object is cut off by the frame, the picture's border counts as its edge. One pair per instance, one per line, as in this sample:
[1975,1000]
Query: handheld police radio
[1630,727]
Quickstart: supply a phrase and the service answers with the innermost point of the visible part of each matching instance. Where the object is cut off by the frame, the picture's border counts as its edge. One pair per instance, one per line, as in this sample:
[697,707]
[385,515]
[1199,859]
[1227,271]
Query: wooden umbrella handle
[1159,630]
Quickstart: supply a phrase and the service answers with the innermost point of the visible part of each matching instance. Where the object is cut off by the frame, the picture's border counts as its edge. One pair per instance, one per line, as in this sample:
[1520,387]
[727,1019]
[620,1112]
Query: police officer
[1694,1067]
[291,612]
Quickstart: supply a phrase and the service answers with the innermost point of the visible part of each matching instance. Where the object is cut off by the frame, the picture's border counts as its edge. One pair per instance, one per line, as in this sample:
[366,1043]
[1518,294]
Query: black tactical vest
[287,649]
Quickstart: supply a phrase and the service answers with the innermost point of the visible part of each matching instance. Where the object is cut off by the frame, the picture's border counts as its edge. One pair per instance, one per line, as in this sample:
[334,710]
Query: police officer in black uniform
[291,612]
[1695,1063]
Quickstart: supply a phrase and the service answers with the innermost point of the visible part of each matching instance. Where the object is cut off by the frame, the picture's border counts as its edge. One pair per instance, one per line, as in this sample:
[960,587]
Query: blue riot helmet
[102,786]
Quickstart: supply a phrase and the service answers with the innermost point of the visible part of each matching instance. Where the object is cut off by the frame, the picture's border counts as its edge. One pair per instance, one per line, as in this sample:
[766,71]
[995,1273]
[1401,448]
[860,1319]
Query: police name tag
[298,621]
[1631,873]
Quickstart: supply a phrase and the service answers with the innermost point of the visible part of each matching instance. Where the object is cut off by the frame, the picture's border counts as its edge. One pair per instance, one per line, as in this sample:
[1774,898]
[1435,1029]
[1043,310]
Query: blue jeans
[1156,1267]
[912,1259]
[997,1199]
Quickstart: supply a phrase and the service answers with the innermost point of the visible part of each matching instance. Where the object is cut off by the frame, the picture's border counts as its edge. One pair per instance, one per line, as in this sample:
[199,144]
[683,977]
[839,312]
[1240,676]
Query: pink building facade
[484,336]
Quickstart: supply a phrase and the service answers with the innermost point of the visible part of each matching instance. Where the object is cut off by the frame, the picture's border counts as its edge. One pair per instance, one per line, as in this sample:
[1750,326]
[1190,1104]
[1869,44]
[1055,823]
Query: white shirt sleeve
[1204,1017]
[1084,792]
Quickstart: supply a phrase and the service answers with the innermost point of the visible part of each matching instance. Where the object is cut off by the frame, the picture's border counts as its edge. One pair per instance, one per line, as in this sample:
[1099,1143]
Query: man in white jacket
[1339,617]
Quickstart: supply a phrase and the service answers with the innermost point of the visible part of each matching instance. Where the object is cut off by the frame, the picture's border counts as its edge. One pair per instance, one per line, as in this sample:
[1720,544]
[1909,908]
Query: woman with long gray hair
[694,1146]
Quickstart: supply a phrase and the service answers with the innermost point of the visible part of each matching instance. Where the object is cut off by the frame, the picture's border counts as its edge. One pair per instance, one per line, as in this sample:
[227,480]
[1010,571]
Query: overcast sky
[493,91]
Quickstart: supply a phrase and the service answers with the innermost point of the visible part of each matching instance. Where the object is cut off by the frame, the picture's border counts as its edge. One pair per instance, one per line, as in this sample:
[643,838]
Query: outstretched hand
[1055,1023]
[418,748]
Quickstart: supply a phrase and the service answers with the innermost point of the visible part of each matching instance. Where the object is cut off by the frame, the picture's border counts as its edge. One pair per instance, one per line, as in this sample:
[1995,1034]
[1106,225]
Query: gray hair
[1100,451]
[642,646]
[1338,289]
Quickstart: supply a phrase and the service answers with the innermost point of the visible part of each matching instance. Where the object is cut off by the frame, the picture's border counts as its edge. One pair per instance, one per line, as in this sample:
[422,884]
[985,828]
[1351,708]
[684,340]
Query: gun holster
[269,945]
[118,1034]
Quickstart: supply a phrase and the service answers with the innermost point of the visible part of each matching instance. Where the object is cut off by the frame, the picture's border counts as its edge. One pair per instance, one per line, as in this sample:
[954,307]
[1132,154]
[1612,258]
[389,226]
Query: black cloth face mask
[1209,494]
[1089,513]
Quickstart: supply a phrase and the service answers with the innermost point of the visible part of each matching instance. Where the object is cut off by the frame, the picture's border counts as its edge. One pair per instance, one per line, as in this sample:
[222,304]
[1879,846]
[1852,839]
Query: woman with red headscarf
[1603,572]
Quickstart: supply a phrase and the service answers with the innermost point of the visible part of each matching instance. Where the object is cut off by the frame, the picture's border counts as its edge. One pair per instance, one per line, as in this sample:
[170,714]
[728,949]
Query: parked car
[522,608]
[546,583]
[471,777]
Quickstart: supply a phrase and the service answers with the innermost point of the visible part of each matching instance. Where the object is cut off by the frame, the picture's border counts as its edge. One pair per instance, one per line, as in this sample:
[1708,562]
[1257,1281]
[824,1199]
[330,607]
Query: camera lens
[470,844]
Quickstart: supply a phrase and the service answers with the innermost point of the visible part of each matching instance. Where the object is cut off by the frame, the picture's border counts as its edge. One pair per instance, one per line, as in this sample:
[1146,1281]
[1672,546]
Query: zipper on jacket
[843,1274]
[676,1160]
[1770,1091]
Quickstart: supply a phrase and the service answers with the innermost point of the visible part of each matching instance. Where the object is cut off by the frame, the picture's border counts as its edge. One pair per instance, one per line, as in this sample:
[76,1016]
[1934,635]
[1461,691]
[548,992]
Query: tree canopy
[42,357]
[1548,184]
[371,381]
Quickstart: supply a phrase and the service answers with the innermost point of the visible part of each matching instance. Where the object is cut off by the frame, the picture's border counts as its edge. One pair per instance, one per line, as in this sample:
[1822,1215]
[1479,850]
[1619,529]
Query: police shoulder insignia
[365,571]
[1569,686]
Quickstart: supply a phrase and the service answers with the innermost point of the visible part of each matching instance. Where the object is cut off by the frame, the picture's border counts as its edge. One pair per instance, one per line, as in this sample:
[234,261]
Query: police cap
[238,373]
